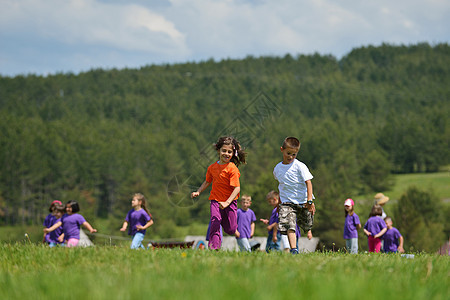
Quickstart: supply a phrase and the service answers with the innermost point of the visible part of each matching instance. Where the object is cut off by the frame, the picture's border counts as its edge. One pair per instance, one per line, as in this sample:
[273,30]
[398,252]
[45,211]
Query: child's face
[348,208]
[68,209]
[246,204]
[225,154]
[135,202]
[58,214]
[388,223]
[289,154]
[273,201]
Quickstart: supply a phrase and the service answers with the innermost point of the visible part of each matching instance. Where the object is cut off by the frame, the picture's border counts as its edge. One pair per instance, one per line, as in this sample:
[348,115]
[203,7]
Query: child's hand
[400,249]
[274,238]
[139,227]
[311,208]
[265,221]
[194,194]
[93,230]
[61,238]
[237,234]
[45,230]
[223,205]
[309,235]
[123,229]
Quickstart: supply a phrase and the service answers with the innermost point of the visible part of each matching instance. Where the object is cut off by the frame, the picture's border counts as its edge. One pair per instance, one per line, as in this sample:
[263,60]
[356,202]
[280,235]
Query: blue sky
[71,36]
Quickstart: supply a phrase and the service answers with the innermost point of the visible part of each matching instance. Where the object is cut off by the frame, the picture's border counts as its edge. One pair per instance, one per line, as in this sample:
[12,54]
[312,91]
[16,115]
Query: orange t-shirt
[224,179]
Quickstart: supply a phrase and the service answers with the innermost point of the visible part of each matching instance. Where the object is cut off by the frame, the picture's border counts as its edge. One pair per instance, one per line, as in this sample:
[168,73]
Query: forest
[98,137]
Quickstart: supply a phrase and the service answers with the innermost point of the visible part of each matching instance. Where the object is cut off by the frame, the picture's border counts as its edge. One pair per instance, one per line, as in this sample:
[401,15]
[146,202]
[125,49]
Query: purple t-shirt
[350,231]
[136,217]
[391,240]
[273,218]
[52,237]
[71,225]
[244,221]
[374,225]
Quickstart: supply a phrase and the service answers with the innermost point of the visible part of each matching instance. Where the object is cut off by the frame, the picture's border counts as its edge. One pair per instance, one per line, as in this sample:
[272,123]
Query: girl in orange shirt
[224,176]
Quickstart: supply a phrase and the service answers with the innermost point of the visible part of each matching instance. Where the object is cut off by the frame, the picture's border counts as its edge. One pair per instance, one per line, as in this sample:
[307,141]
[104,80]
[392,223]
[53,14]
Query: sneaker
[294,251]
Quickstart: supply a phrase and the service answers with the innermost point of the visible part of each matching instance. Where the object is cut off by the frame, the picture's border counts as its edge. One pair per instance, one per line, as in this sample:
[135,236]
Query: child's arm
[265,221]
[147,225]
[204,185]
[124,226]
[379,234]
[400,246]
[275,231]
[50,229]
[61,238]
[252,227]
[367,232]
[233,195]
[309,190]
[89,227]
[358,226]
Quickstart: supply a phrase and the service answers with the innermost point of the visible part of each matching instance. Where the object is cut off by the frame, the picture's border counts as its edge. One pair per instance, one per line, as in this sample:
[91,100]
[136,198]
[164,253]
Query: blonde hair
[273,194]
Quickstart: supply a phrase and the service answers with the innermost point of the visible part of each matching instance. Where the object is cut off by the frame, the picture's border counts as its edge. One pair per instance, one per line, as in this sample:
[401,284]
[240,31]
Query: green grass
[29,271]
[438,183]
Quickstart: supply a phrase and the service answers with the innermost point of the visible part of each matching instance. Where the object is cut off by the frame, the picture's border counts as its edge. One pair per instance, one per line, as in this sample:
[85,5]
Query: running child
[351,226]
[51,238]
[246,224]
[374,228]
[71,223]
[273,235]
[296,193]
[139,219]
[393,240]
[224,176]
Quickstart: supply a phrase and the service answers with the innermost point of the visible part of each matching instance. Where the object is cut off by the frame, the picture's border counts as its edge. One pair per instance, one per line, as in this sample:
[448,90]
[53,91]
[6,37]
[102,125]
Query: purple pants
[226,217]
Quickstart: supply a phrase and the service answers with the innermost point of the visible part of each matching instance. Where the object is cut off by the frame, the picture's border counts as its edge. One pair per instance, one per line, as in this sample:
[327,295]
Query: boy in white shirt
[296,195]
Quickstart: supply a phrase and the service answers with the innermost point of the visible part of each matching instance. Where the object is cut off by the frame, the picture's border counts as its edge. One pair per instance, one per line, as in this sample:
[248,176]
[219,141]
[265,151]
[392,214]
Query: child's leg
[137,241]
[215,239]
[243,244]
[354,246]
[371,241]
[229,218]
[287,223]
[377,246]
[72,242]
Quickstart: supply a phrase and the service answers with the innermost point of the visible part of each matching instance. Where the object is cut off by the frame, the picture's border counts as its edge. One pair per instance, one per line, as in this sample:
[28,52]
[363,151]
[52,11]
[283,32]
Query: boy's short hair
[246,197]
[273,194]
[74,205]
[387,219]
[291,142]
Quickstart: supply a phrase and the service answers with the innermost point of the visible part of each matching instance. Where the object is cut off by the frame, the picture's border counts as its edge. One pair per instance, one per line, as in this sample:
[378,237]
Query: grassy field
[29,271]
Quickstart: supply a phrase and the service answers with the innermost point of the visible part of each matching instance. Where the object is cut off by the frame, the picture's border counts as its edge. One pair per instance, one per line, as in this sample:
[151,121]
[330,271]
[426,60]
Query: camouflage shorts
[292,214]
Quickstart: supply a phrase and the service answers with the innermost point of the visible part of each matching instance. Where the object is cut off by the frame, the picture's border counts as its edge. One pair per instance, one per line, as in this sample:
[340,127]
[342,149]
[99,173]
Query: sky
[45,37]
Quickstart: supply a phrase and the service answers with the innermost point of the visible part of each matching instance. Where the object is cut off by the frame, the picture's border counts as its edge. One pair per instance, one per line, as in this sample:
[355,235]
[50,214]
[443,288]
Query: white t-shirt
[291,180]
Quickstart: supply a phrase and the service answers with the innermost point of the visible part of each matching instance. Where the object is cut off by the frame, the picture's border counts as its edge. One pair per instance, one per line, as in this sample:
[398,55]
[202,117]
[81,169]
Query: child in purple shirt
[71,223]
[139,219]
[351,226]
[246,224]
[393,240]
[274,236]
[56,211]
[375,228]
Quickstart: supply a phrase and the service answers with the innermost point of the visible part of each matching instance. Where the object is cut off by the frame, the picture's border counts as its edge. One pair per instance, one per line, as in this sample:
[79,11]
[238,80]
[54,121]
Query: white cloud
[79,34]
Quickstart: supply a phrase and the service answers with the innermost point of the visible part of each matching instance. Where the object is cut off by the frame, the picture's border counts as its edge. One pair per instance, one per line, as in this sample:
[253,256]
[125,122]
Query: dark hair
[376,211]
[291,142]
[74,205]
[59,207]
[238,153]
[52,206]
[141,197]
